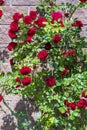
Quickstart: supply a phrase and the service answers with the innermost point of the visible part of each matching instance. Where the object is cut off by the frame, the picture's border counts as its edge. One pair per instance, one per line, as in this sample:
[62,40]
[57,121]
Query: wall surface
[7,121]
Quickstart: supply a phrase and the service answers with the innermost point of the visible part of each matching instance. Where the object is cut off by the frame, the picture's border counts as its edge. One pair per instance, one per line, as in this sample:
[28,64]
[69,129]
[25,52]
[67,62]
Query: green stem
[14,113]
[75,8]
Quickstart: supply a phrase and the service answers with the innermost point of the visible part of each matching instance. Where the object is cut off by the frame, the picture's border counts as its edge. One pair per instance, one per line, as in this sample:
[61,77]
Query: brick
[64,1]
[4,38]
[81,15]
[9,11]
[28,2]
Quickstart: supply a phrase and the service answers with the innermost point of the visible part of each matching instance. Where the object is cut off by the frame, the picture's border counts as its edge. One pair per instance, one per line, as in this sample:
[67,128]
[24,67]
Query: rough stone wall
[7,121]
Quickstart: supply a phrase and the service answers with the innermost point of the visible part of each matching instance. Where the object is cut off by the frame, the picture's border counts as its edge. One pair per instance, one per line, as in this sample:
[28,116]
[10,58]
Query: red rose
[27,19]
[17,16]
[25,70]
[65,71]
[85,105]
[83,1]
[11,34]
[1,2]
[51,3]
[11,46]
[72,52]
[33,14]
[11,62]
[56,15]
[42,55]
[18,80]
[56,39]
[65,53]
[47,46]
[14,26]
[1,98]
[50,81]
[41,22]
[81,103]
[26,81]
[29,39]
[1,13]
[73,106]
[32,31]
[77,23]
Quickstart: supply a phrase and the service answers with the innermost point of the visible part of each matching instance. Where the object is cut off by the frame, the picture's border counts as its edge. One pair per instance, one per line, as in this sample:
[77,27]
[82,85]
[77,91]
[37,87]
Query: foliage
[49,64]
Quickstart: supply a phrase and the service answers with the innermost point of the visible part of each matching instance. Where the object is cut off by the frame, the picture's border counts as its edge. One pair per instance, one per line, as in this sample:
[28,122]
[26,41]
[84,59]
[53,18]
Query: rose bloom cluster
[39,22]
[25,71]
[81,104]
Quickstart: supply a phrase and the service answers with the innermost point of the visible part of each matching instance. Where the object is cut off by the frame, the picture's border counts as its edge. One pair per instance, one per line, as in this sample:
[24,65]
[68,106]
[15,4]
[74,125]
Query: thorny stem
[14,113]
[74,10]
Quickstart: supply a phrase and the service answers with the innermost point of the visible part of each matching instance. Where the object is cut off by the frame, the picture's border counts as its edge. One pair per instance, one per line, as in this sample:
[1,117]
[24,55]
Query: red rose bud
[51,3]
[56,15]
[65,54]
[11,62]
[18,86]
[61,23]
[50,81]
[1,13]
[83,1]
[25,70]
[81,103]
[65,71]
[11,46]
[27,20]
[72,52]
[40,22]
[66,102]
[18,80]
[26,81]
[34,67]
[33,14]
[52,21]
[66,14]
[42,55]
[14,26]
[47,46]
[17,16]
[29,39]
[83,94]
[32,31]
[1,98]
[57,39]
[77,23]
[12,34]
[1,2]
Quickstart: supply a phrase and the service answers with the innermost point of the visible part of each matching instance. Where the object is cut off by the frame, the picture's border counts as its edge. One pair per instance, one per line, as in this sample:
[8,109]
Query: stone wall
[7,121]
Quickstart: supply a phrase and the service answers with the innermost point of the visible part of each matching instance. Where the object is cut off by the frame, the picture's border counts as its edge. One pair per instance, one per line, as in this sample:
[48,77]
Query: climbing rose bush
[49,64]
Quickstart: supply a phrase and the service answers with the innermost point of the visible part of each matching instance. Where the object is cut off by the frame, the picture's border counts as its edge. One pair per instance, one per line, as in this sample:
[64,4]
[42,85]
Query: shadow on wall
[4,55]
[26,112]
